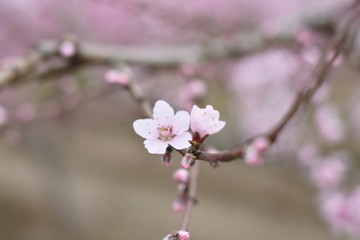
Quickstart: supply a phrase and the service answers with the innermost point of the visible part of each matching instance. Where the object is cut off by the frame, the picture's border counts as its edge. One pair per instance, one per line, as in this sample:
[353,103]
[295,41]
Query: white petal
[163,112]
[195,111]
[181,141]
[181,122]
[195,116]
[216,128]
[146,128]
[155,146]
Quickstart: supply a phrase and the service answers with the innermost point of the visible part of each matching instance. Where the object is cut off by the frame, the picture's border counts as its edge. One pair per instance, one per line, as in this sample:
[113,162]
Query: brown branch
[23,67]
[169,56]
[153,56]
[194,174]
[316,80]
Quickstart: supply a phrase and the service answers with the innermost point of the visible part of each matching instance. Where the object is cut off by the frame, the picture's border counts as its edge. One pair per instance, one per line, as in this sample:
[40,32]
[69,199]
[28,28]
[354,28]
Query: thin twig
[316,80]
[194,175]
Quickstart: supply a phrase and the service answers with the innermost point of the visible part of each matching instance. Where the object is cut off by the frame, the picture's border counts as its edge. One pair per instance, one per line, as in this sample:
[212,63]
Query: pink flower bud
[166,159]
[182,187]
[181,175]
[183,235]
[253,157]
[188,160]
[261,144]
[114,76]
[67,49]
[179,204]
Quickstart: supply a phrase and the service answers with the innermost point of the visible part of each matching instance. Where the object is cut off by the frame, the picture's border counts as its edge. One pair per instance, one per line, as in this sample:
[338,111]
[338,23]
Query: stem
[194,174]
[316,80]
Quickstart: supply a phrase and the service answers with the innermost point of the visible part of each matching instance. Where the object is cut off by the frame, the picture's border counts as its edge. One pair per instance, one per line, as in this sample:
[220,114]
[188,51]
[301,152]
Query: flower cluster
[167,128]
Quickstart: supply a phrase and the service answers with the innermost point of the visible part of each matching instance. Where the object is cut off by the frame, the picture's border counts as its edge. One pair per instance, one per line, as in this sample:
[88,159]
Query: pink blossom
[329,123]
[205,121]
[307,154]
[334,210]
[191,92]
[328,173]
[115,76]
[181,175]
[165,129]
[183,235]
[342,212]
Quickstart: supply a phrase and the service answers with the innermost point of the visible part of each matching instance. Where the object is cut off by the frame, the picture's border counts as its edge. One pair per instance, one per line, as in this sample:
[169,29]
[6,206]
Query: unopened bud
[179,204]
[188,160]
[253,157]
[166,159]
[183,235]
[67,49]
[115,76]
[182,187]
[261,144]
[181,175]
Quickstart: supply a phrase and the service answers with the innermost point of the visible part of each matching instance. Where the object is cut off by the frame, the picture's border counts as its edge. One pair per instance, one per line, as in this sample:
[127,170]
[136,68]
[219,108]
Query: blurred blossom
[26,112]
[311,55]
[191,92]
[341,211]
[263,95]
[329,172]
[307,154]
[329,124]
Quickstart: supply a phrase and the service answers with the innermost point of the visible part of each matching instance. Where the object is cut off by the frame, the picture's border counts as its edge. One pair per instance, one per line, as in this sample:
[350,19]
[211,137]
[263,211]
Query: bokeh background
[73,168]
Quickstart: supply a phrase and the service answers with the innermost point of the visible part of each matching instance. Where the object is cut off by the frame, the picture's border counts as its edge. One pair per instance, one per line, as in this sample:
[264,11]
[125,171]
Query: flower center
[165,133]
